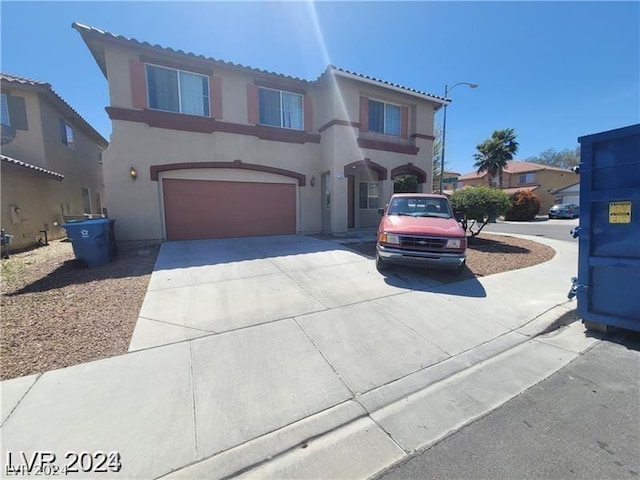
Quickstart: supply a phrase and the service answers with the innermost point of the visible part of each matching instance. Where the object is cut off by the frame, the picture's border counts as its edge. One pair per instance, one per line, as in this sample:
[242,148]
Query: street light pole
[444,129]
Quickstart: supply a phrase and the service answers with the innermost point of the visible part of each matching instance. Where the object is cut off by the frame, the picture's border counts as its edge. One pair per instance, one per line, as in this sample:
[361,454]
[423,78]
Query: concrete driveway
[205,287]
[249,348]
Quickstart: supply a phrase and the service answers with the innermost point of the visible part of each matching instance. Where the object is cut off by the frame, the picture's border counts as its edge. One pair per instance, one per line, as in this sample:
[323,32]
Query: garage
[199,209]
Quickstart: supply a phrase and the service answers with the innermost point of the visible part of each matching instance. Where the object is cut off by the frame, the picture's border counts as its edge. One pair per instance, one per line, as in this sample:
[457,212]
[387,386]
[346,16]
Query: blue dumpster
[92,240]
[608,283]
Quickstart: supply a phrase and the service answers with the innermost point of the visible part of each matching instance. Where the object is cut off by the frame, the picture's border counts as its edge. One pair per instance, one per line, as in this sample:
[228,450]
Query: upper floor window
[280,109]
[4,113]
[66,133]
[384,117]
[177,91]
[527,178]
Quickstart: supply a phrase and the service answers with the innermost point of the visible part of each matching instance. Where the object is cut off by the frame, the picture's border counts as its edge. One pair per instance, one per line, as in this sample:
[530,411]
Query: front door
[326,201]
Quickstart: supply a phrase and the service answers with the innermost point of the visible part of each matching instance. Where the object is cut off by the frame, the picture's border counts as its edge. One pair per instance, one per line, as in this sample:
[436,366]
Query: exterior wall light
[133,173]
[313,181]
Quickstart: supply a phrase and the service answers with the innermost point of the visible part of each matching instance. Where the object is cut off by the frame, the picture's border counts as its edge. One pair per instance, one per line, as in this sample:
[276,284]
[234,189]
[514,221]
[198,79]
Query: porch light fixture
[313,181]
[447,89]
[133,173]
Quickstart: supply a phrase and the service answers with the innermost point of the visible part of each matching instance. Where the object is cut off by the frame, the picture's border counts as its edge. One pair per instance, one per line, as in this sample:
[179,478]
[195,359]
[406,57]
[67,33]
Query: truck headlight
[389,238]
[456,243]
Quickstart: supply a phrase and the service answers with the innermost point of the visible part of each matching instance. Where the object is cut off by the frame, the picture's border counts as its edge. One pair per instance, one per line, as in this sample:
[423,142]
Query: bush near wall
[525,206]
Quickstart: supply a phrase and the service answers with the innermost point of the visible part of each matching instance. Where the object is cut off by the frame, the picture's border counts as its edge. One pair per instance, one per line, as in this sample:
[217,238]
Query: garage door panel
[198,209]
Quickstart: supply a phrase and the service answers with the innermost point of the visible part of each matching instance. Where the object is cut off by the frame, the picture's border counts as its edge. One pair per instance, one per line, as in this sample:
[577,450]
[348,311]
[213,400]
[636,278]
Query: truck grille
[422,243]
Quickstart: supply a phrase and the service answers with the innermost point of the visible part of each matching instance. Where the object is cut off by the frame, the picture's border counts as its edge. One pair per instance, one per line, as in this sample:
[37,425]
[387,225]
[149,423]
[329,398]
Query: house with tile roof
[543,180]
[225,150]
[50,161]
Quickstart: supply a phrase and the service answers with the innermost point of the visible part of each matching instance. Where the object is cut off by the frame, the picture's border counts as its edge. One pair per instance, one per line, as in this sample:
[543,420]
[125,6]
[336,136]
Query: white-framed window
[278,108]
[86,200]
[177,91]
[98,202]
[4,111]
[66,133]
[526,178]
[369,195]
[384,117]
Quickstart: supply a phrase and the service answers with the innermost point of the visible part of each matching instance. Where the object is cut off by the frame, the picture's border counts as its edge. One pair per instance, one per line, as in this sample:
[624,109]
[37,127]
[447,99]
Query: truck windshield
[420,207]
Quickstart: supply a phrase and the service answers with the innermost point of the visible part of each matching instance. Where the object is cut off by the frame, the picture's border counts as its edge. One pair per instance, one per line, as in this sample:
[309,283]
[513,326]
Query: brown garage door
[211,209]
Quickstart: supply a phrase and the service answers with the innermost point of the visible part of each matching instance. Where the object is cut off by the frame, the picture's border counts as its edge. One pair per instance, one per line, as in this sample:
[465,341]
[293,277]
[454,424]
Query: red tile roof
[515,167]
[509,191]
[47,89]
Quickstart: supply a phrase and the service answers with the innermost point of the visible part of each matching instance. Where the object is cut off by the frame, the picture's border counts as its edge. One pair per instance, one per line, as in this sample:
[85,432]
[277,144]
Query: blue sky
[553,71]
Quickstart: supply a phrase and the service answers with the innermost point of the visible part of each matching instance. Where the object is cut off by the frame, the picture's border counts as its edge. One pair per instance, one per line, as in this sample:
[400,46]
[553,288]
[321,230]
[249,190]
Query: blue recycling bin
[92,240]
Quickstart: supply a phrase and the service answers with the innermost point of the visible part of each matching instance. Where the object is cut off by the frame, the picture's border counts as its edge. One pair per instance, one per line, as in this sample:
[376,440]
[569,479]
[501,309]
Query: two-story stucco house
[51,162]
[223,150]
[542,180]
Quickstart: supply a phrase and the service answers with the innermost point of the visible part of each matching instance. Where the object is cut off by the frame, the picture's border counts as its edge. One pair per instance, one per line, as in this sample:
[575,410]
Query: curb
[295,436]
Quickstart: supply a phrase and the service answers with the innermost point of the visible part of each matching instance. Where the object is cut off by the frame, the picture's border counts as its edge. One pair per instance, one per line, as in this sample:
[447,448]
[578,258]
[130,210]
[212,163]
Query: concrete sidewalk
[293,357]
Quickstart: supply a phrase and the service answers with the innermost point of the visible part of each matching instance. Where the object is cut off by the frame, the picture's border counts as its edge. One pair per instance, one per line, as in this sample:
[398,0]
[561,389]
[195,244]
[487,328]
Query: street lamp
[444,127]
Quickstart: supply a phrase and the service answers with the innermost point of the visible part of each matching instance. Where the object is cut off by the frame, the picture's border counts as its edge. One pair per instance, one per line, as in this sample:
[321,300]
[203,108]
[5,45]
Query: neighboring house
[223,150]
[540,179]
[51,162]
[570,194]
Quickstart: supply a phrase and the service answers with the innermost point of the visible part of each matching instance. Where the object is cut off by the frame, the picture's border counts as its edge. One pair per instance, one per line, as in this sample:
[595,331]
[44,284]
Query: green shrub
[525,206]
[479,205]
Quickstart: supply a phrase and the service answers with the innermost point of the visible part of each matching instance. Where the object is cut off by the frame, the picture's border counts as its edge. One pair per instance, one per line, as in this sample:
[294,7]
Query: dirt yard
[55,315]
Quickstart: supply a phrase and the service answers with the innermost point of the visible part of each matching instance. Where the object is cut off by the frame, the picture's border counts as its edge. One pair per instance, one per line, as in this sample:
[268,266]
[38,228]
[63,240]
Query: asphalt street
[582,422]
[556,229]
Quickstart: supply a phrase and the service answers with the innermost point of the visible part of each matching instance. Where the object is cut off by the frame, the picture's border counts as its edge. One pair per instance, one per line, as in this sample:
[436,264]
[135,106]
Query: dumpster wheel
[597,327]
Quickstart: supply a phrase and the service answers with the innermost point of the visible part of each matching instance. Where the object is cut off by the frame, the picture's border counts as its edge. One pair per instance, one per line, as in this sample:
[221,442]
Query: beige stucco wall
[27,146]
[42,200]
[137,205]
[550,181]
[339,146]
[31,193]
[79,165]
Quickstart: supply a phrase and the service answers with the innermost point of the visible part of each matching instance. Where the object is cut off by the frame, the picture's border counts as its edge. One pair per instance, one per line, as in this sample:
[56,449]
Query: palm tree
[495,152]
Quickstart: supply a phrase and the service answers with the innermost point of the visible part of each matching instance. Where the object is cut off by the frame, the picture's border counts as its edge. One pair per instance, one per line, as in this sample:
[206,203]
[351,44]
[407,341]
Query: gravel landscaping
[55,315]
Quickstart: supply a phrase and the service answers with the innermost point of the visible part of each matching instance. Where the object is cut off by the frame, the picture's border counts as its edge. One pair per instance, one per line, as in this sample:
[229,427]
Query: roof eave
[404,91]
[32,168]
[96,49]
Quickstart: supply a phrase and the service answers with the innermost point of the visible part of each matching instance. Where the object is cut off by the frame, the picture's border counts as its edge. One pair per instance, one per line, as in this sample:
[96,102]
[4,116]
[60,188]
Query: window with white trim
[98,202]
[369,195]
[4,112]
[86,200]
[177,91]
[526,178]
[66,133]
[278,108]
[384,117]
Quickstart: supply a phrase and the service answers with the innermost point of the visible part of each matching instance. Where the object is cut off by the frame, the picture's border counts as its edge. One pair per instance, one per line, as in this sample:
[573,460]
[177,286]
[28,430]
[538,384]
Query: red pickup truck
[420,229]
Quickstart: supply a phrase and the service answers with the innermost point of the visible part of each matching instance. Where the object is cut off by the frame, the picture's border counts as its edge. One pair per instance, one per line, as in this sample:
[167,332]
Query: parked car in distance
[564,210]
[420,229]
